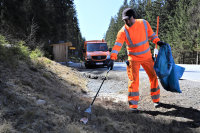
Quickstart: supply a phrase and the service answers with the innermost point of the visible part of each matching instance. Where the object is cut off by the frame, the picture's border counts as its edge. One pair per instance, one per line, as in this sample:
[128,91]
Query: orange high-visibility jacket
[136,38]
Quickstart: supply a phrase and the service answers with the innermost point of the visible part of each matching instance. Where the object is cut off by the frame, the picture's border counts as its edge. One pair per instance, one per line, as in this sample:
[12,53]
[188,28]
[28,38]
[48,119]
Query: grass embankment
[27,78]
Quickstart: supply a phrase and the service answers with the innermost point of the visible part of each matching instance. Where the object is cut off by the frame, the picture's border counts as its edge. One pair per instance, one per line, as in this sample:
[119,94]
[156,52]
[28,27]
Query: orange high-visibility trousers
[133,84]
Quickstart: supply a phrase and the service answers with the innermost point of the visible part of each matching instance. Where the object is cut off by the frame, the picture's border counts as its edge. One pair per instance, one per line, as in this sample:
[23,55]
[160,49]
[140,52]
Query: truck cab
[96,53]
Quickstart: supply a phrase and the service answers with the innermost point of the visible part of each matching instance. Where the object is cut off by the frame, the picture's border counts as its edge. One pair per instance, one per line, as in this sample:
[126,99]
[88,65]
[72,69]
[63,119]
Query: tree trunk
[197,55]
[197,58]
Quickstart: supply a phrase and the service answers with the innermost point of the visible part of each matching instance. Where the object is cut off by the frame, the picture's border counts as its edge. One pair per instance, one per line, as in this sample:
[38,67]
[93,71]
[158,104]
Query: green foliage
[111,33]
[178,24]
[22,51]
[115,25]
[40,63]
[3,41]
[40,22]
[36,53]
[194,27]
[10,54]
[123,53]
[74,59]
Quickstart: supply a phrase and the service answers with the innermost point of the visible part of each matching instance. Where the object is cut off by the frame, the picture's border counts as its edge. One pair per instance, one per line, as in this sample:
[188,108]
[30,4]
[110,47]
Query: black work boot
[134,110]
[157,105]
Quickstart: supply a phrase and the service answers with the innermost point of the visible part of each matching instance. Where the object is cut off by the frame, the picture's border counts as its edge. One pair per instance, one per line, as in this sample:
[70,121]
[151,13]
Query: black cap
[127,13]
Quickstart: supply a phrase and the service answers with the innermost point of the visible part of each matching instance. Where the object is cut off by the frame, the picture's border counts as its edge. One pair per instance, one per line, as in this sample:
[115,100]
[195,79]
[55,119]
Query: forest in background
[40,23]
[179,25]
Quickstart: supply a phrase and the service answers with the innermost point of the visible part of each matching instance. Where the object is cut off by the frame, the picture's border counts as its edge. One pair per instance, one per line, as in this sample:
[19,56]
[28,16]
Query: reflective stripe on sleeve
[154,38]
[139,53]
[115,51]
[152,35]
[118,44]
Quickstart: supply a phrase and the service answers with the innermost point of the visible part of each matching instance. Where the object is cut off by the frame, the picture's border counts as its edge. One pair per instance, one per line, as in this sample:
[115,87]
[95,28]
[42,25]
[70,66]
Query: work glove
[127,62]
[160,43]
[110,64]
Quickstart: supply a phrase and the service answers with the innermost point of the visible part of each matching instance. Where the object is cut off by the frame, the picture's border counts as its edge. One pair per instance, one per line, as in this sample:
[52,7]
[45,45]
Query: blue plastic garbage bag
[168,72]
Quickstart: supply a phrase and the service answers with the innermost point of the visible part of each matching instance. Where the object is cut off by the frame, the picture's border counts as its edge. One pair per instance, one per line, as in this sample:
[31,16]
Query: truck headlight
[108,57]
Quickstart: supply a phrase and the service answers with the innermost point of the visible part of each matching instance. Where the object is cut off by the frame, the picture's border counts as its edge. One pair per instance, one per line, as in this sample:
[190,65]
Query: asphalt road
[115,88]
[192,72]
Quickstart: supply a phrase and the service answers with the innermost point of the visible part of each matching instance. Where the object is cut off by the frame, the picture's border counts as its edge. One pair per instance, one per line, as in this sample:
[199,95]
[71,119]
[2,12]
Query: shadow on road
[189,113]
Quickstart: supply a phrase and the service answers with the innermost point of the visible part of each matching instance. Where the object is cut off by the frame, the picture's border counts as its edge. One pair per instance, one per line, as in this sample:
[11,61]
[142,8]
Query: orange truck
[96,53]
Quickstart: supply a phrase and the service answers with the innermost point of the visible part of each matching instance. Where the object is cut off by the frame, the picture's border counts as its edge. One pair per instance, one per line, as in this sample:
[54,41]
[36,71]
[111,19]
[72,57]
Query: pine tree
[40,22]
[194,26]
[111,33]
[115,25]
[178,32]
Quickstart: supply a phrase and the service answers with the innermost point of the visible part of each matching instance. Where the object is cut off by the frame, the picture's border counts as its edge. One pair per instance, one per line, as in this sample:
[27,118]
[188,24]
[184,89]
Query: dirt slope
[23,85]
[45,96]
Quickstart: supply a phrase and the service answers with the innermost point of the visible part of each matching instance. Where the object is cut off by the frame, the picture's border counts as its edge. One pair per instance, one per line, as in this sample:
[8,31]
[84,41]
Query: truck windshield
[97,47]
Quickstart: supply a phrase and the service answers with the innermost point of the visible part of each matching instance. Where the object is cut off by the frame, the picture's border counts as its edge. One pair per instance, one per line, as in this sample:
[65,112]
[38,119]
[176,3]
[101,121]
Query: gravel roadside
[178,107]
[115,88]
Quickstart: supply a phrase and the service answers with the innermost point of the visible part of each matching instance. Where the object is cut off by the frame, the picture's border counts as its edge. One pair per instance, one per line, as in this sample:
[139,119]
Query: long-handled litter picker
[89,110]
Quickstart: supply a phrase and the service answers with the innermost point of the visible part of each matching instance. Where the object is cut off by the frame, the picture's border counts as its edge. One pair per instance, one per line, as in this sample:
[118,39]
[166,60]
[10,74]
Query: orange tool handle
[157,27]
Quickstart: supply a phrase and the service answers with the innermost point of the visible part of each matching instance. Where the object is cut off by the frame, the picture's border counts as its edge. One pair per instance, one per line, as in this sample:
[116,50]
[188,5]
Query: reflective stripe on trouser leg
[155,90]
[155,94]
[133,84]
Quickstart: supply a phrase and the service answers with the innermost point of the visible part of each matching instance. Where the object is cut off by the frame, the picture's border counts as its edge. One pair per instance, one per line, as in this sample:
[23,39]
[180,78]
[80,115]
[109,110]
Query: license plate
[99,63]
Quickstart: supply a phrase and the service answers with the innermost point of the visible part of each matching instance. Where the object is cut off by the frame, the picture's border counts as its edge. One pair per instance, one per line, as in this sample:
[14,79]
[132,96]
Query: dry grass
[6,128]
[62,87]
[44,79]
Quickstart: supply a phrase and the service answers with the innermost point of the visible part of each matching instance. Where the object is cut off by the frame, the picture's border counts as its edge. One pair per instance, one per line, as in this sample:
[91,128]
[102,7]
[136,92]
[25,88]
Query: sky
[94,16]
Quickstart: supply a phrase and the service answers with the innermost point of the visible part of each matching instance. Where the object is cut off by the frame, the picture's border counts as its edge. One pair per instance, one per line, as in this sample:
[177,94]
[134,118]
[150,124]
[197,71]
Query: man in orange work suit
[136,33]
